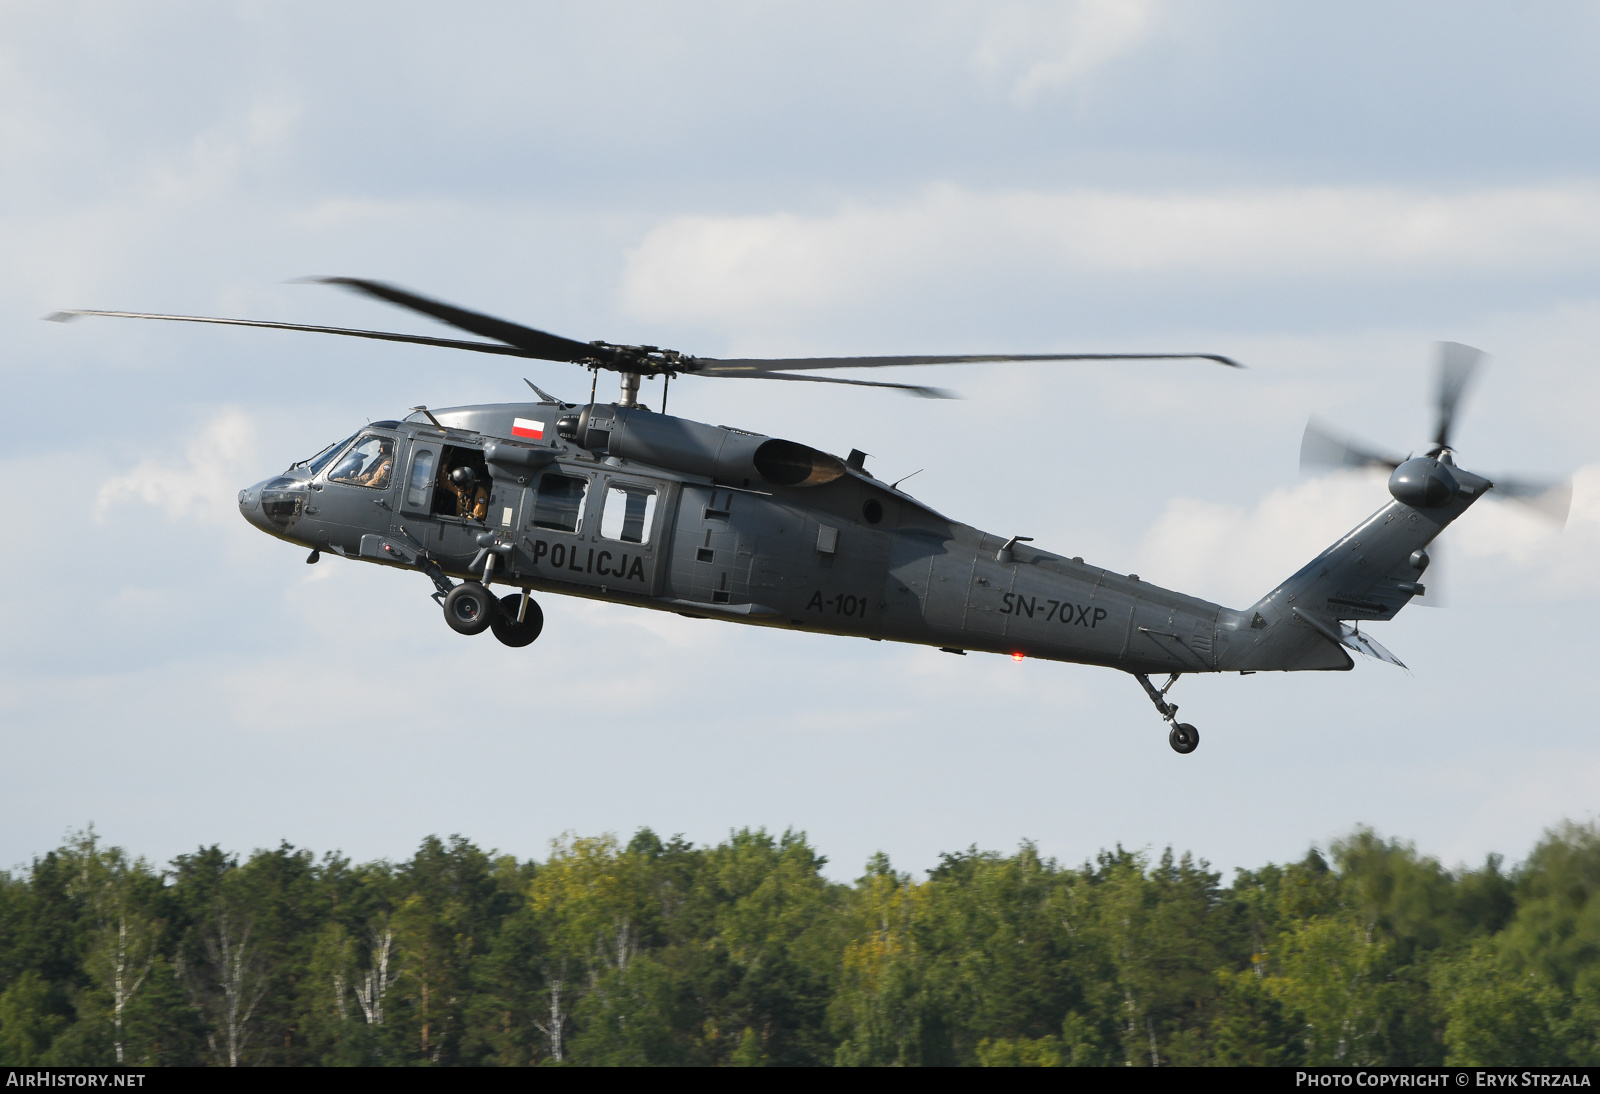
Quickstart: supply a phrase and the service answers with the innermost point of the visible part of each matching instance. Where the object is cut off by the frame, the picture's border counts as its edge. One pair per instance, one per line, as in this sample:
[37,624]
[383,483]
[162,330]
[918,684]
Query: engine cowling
[515,463]
[731,457]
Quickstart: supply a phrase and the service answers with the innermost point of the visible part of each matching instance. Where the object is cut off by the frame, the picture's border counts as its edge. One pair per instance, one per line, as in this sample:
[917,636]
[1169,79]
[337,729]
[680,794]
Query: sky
[1320,192]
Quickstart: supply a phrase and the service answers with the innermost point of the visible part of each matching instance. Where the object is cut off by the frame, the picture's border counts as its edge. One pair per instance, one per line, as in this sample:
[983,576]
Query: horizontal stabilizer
[1368,645]
[1351,638]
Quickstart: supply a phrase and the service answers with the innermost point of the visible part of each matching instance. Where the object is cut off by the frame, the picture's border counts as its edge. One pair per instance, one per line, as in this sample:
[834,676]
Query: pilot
[382,468]
[472,500]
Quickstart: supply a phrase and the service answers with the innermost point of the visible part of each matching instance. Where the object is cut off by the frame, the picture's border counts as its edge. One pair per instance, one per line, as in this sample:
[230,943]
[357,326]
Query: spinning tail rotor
[1458,366]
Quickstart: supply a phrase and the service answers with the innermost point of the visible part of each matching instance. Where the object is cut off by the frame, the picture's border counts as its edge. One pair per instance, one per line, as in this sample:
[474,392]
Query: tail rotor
[1457,368]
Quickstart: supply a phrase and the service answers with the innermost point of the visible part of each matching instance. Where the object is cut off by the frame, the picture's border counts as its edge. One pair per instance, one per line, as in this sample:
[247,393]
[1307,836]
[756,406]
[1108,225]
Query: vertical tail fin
[1368,575]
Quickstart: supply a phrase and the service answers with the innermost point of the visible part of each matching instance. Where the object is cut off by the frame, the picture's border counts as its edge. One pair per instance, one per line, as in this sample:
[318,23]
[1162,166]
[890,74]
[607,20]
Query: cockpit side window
[558,503]
[369,462]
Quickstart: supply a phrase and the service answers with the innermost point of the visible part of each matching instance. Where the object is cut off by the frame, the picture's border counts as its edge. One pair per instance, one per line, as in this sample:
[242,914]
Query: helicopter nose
[250,504]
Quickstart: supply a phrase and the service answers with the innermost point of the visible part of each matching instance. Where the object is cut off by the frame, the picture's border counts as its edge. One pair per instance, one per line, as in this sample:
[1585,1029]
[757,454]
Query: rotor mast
[629,395]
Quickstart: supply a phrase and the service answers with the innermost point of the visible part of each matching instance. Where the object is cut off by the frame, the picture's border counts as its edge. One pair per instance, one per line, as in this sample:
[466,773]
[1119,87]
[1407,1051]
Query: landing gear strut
[441,584]
[1183,737]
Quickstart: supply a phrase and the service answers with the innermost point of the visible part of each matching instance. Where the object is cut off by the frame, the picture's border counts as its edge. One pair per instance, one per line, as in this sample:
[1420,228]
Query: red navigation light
[1016,657]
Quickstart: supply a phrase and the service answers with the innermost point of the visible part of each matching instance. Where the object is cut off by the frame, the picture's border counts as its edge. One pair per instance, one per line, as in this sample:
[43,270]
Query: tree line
[744,953]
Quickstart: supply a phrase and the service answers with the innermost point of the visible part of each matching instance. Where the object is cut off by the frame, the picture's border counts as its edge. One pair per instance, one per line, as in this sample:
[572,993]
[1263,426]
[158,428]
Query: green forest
[745,953]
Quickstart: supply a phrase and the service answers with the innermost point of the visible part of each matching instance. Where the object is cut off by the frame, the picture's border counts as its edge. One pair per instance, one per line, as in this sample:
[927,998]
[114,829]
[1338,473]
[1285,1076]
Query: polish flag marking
[527,427]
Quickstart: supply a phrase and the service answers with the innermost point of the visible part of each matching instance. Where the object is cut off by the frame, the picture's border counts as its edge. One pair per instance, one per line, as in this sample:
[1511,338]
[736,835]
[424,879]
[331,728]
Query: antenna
[542,393]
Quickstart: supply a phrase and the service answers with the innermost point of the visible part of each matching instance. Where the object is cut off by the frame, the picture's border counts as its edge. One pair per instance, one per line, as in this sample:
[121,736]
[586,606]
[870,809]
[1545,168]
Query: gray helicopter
[613,501]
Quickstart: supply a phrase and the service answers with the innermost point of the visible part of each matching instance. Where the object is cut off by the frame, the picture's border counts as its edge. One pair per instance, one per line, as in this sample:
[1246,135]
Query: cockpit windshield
[369,463]
[322,459]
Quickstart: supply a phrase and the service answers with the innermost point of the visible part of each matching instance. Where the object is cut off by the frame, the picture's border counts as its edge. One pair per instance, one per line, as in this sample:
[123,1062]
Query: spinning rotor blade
[910,389]
[515,340]
[764,366]
[1457,366]
[552,347]
[384,336]
[534,343]
[1322,448]
[1434,579]
[1549,499]
[555,348]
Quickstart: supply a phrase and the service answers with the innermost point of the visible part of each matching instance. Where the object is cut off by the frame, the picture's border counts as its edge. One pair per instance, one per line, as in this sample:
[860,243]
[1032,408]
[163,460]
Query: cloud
[201,485]
[726,267]
[1042,48]
[216,162]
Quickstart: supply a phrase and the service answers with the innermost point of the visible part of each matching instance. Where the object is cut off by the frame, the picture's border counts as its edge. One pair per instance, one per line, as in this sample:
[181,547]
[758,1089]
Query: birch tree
[229,984]
[122,946]
[374,984]
[587,899]
[555,1032]
[122,961]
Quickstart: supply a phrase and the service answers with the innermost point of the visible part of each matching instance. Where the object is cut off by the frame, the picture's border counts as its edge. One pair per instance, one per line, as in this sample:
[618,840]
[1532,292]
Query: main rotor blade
[520,341]
[1321,447]
[534,343]
[748,366]
[384,336]
[1457,366]
[1549,499]
[910,389]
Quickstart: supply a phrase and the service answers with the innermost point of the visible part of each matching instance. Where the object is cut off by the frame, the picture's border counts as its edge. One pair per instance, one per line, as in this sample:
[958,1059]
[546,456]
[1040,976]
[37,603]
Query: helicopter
[614,501]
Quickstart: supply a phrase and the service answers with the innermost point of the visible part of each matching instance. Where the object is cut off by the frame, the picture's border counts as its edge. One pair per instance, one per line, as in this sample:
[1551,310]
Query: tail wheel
[506,627]
[469,609]
[1184,738]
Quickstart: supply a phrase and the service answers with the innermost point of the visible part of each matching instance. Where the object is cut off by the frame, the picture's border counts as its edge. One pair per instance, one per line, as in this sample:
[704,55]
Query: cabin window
[558,503]
[421,478]
[369,463]
[628,512]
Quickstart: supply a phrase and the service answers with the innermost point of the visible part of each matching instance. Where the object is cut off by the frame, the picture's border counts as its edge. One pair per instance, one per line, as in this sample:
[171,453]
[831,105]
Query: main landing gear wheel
[1183,737]
[506,627]
[469,609]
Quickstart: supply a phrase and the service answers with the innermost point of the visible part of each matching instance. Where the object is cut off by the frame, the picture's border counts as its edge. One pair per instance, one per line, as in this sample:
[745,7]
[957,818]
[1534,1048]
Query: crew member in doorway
[472,499]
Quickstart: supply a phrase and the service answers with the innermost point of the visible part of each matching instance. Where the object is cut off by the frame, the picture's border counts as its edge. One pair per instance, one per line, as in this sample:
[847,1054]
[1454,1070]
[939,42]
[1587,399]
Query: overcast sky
[1319,191]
